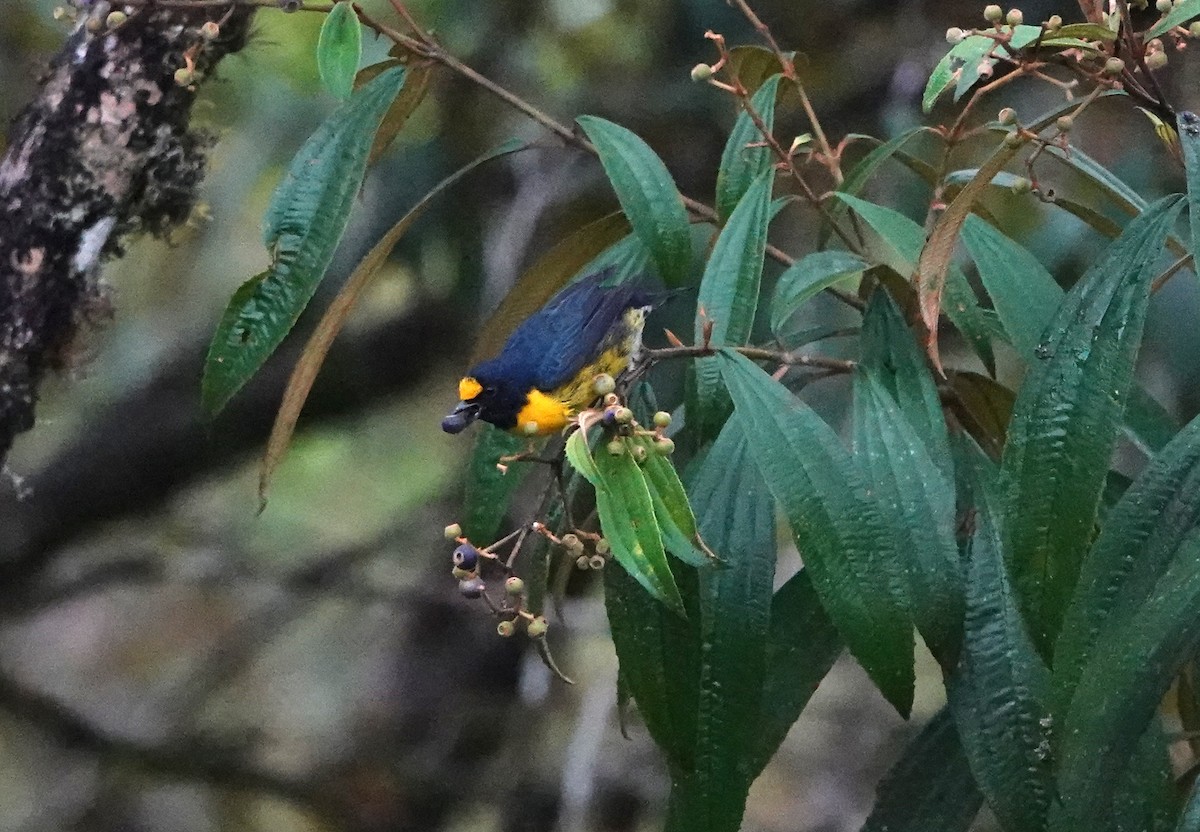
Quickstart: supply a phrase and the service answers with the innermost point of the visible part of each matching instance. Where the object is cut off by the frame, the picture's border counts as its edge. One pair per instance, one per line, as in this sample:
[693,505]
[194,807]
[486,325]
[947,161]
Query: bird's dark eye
[489,391]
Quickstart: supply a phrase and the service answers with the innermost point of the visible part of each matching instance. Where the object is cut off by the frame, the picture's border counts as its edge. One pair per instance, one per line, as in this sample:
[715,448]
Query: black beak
[460,417]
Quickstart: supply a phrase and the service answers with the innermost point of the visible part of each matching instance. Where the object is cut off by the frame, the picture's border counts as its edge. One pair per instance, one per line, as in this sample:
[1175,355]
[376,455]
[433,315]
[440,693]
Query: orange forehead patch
[469,388]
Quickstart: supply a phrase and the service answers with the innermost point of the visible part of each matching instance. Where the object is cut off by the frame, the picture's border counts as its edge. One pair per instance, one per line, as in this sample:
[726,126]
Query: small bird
[544,374]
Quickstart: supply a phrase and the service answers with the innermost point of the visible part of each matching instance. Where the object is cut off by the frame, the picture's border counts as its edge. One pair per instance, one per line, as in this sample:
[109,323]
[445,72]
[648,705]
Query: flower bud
[603,384]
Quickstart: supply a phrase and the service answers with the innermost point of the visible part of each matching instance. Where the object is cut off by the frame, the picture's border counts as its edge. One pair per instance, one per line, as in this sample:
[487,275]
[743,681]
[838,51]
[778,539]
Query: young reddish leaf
[934,262]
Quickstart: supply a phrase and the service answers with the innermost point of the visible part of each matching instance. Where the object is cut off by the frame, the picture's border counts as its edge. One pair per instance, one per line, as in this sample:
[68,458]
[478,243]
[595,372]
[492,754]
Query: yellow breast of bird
[549,412]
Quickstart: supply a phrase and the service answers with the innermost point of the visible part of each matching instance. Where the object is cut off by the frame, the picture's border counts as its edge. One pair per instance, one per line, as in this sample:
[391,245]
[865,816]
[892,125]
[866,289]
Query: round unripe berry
[955,36]
[531,428]
[1114,66]
[537,627]
[623,416]
[639,453]
[662,419]
[1156,60]
[1014,17]
[471,588]
[603,384]
[664,447]
[1054,22]
[572,543]
[701,72]
[184,76]
[1007,116]
[115,19]
[452,532]
[581,562]
[612,400]
[616,447]
[596,562]
[993,13]
[1194,29]
[505,629]
[514,585]
[1021,186]
[1064,123]
[211,30]
[602,546]
[463,574]
[1163,6]
[1014,139]
[466,557]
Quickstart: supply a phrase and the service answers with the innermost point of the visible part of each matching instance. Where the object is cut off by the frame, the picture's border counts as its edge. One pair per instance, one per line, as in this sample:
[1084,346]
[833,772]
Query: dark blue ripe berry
[609,419]
[466,557]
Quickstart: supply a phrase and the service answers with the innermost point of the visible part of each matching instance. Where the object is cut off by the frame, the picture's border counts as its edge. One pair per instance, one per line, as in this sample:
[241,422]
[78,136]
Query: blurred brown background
[170,661]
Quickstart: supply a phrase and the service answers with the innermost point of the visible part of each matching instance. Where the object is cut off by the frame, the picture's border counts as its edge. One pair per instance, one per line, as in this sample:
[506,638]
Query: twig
[791,359]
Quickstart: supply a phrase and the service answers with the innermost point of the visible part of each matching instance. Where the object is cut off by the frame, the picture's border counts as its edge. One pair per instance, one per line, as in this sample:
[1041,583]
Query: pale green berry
[955,36]
[514,585]
[602,546]
[1007,116]
[701,72]
[596,562]
[1163,6]
[664,447]
[603,384]
[537,627]
[616,447]
[115,19]
[1156,60]
[1014,17]
[993,13]
[662,419]
[1114,66]
[505,629]
[452,532]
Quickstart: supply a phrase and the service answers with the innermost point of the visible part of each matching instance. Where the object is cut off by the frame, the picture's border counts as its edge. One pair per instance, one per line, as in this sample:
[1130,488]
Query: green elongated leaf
[334,318]
[899,248]
[892,356]
[729,299]
[998,693]
[339,49]
[659,656]
[742,163]
[1067,416]
[1026,297]
[930,788]
[737,513]
[1188,124]
[848,550]
[627,519]
[647,195]
[489,490]
[805,278]
[971,51]
[307,217]
[680,534]
[1120,688]
[916,498]
[1144,533]
[1145,798]
[1179,15]
[858,177]
[580,457]
[802,646]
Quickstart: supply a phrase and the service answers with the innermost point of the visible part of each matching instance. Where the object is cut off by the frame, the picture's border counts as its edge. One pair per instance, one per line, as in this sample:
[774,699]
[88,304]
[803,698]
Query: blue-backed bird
[545,372]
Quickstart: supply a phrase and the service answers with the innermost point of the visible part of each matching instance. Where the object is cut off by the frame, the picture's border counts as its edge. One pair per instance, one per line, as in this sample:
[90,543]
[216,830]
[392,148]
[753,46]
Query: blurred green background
[179,663]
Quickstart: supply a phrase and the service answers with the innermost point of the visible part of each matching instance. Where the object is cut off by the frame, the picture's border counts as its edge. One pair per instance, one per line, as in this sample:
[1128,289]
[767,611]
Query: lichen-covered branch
[102,151]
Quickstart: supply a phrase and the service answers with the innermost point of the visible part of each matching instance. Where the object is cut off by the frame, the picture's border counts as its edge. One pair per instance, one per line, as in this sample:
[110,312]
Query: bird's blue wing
[576,338]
